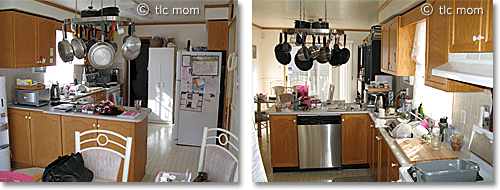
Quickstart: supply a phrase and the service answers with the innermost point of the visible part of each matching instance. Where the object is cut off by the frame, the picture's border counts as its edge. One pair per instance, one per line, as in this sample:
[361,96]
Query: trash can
[4,148]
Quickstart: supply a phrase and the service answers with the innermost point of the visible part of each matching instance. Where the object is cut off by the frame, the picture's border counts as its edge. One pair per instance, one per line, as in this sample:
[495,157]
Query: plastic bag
[402,131]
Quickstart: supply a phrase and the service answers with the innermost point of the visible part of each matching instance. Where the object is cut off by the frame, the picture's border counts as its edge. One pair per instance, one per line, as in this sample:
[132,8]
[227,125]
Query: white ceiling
[352,14]
[83,4]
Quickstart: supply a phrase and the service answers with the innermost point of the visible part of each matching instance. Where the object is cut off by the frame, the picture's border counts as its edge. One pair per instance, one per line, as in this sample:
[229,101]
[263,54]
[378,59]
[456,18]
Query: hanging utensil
[345,53]
[303,65]
[313,50]
[298,39]
[286,48]
[324,55]
[101,55]
[108,39]
[132,45]
[79,46]
[335,55]
[282,57]
[92,39]
[64,47]
[303,53]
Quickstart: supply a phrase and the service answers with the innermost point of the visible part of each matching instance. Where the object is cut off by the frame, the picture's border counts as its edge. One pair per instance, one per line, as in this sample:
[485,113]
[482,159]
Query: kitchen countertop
[50,110]
[80,95]
[398,153]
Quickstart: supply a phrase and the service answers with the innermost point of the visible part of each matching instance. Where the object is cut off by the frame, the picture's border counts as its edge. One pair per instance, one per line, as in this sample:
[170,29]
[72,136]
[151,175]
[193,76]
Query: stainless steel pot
[303,53]
[79,46]
[132,45]
[324,53]
[314,50]
[101,54]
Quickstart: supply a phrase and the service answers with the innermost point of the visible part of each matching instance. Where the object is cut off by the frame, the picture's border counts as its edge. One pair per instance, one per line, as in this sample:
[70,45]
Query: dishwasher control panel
[314,120]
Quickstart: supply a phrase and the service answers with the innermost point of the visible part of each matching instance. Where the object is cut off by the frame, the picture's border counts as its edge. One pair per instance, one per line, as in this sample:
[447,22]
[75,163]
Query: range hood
[473,68]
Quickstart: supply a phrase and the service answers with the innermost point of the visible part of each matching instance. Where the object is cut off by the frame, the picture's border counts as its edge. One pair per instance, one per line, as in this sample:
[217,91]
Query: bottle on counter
[443,124]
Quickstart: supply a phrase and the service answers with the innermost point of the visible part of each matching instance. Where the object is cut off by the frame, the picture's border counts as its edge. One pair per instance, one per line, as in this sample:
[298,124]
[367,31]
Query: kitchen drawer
[393,166]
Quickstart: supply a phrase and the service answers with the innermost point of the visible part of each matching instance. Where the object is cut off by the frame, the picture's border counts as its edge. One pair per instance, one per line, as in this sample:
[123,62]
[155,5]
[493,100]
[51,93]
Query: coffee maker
[114,75]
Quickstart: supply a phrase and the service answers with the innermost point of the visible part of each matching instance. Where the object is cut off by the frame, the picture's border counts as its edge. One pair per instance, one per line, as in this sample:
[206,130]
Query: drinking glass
[137,104]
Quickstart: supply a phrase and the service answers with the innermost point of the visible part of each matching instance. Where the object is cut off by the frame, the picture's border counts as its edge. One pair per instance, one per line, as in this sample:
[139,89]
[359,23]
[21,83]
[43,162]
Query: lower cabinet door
[45,138]
[19,137]
[284,141]
[72,124]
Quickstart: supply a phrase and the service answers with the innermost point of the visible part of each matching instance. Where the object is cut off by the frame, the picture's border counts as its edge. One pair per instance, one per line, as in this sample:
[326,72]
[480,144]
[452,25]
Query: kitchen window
[62,72]
[320,76]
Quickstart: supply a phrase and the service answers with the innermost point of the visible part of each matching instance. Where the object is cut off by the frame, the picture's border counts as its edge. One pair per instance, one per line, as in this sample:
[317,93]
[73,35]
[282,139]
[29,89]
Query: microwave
[32,97]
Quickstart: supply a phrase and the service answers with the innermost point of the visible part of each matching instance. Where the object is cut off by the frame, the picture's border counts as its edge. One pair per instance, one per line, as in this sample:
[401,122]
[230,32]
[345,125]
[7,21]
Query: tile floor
[304,176]
[165,155]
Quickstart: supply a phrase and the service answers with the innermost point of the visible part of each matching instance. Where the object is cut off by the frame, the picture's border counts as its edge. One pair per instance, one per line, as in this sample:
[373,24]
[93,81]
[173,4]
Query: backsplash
[469,102]
[12,74]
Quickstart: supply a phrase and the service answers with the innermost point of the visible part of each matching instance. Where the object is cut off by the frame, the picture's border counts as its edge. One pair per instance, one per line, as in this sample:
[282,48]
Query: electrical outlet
[462,117]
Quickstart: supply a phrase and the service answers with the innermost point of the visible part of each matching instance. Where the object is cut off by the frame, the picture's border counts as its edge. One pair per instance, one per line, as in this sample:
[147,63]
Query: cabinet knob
[393,165]
[343,120]
[371,126]
[93,125]
[25,117]
[378,138]
[29,117]
[98,125]
[294,121]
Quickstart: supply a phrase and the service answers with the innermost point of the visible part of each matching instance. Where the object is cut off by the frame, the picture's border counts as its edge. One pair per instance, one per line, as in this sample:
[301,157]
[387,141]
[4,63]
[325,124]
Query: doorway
[138,76]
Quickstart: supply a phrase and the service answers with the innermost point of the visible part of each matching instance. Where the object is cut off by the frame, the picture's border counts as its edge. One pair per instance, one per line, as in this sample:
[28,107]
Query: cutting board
[91,89]
[415,151]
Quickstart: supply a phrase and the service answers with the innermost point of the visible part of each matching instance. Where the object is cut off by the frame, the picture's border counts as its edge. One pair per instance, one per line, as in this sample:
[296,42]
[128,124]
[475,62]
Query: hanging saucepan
[110,11]
[303,65]
[320,24]
[286,48]
[313,50]
[344,53]
[90,12]
[324,53]
[303,53]
[101,54]
[335,57]
[64,47]
[282,57]
[79,46]
[302,24]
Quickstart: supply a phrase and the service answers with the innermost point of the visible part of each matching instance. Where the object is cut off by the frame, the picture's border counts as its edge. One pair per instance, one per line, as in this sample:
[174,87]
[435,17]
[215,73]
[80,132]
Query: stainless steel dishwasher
[320,141]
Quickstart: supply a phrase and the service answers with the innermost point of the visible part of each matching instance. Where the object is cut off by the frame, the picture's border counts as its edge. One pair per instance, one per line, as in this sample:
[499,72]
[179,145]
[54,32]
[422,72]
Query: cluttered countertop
[48,109]
[324,111]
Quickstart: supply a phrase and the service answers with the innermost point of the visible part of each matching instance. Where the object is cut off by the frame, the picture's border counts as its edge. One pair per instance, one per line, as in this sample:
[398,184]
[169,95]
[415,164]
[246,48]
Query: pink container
[14,177]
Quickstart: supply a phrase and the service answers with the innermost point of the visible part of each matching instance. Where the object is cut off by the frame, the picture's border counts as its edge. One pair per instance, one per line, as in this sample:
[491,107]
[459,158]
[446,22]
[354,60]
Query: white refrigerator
[161,78]
[199,76]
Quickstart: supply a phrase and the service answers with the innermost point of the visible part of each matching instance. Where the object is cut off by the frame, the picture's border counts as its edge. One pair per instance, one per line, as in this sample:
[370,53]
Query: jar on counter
[456,141]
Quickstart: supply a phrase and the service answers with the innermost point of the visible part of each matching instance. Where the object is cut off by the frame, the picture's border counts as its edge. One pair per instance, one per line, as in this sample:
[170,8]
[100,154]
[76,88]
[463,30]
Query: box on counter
[24,82]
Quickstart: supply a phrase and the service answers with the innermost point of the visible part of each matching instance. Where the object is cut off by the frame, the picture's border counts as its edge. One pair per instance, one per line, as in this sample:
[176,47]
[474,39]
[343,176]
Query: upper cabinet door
[25,39]
[385,47]
[465,26]
[46,41]
[393,41]
[487,22]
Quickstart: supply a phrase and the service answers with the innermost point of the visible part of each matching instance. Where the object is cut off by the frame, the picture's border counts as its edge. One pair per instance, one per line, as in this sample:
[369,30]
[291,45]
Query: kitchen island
[362,142]
[38,135]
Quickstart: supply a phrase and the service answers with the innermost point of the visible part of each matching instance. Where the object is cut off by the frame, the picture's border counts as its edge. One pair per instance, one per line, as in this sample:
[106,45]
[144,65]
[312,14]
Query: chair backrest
[103,161]
[275,83]
[218,161]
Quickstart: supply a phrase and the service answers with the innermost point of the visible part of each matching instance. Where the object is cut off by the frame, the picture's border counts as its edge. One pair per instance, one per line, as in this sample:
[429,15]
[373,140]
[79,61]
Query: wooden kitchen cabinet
[355,139]
[383,159]
[35,138]
[284,141]
[465,28]
[138,132]
[72,124]
[375,157]
[218,34]
[19,137]
[438,51]
[397,44]
[27,38]
[45,138]
[393,167]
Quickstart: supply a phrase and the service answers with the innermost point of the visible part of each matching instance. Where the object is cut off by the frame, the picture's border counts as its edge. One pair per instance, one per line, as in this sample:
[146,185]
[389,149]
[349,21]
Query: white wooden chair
[220,164]
[103,161]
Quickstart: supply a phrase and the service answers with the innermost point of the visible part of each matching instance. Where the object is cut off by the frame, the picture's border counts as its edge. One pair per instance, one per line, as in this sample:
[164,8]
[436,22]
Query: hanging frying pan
[283,58]
[303,53]
[344,53]
[335,57]
[286,48]
[303,65]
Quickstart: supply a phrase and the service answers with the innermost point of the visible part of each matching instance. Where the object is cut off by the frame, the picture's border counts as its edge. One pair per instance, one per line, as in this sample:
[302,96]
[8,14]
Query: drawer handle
[474,38]
[393,164]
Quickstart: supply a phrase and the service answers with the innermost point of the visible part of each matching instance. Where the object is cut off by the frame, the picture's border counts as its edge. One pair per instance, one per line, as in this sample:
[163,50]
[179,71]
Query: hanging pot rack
[97,21]
[314,31]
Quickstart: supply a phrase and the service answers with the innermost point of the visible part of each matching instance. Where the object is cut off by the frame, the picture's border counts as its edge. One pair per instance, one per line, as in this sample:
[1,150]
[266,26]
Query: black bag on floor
[67,168]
